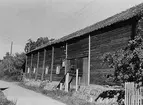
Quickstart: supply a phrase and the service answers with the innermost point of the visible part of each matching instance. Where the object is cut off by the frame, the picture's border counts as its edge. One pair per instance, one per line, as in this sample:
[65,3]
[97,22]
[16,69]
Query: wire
[80,11]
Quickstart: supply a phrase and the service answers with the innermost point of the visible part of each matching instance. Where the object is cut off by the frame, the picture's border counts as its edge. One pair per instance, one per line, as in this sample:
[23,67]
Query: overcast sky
[24,19]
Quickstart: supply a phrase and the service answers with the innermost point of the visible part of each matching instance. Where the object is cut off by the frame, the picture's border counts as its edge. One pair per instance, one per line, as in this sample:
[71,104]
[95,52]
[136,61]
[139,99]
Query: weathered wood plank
[78,48]
[52,63]
[43,71]
[26,67]
[31,66]
[37,66]
[89,58]
[109,41]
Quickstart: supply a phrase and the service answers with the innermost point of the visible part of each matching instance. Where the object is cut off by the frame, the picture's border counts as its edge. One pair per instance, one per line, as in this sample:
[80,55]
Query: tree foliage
[31,45]
[127,62]
[12,66]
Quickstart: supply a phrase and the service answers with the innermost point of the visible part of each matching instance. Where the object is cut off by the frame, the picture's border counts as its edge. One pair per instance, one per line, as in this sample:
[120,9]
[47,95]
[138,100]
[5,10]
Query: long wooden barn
[83,50]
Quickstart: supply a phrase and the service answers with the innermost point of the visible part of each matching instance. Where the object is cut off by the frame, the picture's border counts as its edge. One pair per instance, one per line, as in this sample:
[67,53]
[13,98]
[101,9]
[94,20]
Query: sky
[21,20]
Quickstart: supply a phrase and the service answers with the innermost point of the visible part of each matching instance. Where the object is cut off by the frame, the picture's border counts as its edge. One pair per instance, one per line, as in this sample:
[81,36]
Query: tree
[12,66]
[128,61]
[31,45]
[19,60]
[42,40]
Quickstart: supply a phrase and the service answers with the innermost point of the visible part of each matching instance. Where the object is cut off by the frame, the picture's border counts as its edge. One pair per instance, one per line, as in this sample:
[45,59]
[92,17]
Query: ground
[26,97]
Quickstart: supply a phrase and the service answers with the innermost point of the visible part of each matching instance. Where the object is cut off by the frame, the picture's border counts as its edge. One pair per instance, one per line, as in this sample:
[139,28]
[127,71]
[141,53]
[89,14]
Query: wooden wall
[28,61]
[40,66]
[78,48]
[28,64]
[48,61]
[59,57]
[34,64]
[101,43]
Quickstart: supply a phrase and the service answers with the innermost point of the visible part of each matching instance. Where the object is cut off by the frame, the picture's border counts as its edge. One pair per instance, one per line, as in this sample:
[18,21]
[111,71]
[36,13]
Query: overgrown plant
[128,62]
[12,66]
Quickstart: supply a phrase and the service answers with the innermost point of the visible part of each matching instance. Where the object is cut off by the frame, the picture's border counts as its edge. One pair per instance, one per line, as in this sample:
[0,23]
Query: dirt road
[26,97]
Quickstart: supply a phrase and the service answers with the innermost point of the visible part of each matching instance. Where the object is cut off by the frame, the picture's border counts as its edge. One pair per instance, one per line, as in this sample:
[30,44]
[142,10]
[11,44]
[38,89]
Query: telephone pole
[11,48]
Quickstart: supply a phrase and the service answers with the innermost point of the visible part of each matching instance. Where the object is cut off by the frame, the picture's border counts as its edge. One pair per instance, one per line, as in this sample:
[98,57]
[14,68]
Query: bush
[4,101]
[127,62]
[14,75]
[12,66]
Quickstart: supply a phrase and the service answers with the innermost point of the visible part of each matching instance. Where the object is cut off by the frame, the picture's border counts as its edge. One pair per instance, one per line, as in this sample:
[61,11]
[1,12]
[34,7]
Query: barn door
[84,78]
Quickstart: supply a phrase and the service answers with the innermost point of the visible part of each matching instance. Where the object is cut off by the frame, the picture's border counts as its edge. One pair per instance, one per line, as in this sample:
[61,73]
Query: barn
[83,50]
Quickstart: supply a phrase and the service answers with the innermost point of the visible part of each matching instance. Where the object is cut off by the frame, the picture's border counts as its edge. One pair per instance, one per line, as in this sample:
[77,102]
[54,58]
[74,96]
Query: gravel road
[26,97]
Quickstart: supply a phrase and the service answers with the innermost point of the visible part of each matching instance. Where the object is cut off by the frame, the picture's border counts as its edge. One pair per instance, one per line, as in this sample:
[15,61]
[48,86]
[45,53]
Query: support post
[30,72]
[89,53]
[61,86]
[67,82]
[24,74]
[43,64]
[37,66]
[76,80]
[66,58]
[52,63]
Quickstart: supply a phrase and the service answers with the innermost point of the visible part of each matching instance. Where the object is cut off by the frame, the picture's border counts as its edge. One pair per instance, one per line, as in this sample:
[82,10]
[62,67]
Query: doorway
[82,65]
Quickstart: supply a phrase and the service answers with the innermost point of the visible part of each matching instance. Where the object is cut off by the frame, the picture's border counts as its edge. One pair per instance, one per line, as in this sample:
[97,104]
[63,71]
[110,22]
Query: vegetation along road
[26,97]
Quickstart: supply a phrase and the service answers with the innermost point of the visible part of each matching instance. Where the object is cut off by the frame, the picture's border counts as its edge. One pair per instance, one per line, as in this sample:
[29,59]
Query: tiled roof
[125,15]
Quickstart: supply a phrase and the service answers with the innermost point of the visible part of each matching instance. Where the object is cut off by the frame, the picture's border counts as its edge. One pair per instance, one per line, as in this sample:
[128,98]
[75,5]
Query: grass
[62,96]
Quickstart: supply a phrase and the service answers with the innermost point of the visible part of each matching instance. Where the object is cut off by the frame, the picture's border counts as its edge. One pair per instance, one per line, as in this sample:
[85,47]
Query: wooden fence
[133,94]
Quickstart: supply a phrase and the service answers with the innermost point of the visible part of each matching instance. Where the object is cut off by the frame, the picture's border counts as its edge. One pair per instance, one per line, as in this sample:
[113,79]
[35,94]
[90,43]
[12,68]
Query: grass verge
[62,96]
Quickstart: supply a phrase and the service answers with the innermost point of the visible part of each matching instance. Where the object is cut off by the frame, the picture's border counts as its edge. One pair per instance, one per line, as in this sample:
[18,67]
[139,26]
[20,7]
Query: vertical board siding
[43,71]
[77,50]
[28,64]
[25,67]
[48,61]
[59,56]
[28,61]
[36,73]
[102,43]
[52,63]
[34,61]
[133,94]
[26,74]
[41,57]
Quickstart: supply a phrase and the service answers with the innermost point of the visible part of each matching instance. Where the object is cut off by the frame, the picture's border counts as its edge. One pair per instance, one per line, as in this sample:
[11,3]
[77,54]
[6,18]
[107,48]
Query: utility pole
[10,55]
[11,48]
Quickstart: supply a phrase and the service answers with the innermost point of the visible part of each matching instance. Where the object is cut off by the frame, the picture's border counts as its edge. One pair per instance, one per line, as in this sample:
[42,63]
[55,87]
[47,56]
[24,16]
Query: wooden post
[30,72]
[89,52]
[67,82]
[66,63]
[126,91]
[25,66]
[61,86]
[131,93]
[43,64]
[76,80]
[37,66]
[52,63]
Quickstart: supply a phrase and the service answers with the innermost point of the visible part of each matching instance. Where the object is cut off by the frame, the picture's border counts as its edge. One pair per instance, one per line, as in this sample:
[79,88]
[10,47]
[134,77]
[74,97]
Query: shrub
[4,101]
[12,66]
[127,62]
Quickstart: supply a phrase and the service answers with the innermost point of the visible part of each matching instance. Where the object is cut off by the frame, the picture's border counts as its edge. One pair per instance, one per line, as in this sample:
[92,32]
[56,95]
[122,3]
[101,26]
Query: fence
[133,94]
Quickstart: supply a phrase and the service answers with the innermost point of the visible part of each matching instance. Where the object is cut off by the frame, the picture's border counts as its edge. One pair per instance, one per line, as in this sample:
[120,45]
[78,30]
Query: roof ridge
[122,16]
